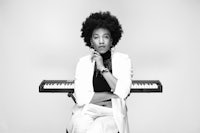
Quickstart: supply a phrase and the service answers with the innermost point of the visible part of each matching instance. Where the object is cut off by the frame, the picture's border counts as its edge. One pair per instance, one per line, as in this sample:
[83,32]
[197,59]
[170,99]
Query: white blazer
[121,69]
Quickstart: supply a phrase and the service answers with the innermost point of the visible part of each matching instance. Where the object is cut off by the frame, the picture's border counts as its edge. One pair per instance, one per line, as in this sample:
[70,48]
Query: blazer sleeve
[83,90]
[124,76]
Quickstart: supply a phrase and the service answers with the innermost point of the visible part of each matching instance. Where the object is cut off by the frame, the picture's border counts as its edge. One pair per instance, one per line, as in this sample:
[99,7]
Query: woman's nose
[101,40]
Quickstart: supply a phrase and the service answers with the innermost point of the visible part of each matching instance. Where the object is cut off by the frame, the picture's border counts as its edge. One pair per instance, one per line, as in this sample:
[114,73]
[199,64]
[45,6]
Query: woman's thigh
[104,124]
[92,119]
[79,122]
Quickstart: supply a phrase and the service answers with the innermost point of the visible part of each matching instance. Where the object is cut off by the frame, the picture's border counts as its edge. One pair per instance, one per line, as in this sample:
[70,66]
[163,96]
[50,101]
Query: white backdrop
[40,39]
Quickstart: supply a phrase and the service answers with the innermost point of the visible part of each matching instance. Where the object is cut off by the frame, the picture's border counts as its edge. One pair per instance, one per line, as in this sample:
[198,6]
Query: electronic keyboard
[67,86]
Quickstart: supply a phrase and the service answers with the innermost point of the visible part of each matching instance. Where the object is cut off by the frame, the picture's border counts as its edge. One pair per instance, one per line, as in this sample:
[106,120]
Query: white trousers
[92,119]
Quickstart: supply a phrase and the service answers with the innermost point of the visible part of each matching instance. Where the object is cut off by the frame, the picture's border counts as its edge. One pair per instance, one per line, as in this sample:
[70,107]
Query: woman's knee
[81,122]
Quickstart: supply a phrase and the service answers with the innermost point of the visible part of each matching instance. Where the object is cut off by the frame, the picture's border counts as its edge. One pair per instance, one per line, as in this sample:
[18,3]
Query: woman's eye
[107,37]
[95,37]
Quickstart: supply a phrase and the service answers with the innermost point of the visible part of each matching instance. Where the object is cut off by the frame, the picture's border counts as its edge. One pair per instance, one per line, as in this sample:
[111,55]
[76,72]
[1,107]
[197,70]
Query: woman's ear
[111,44]
[91,44]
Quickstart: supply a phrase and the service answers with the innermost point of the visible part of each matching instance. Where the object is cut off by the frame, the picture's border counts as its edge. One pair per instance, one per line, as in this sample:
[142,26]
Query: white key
[136,86]
[154,86]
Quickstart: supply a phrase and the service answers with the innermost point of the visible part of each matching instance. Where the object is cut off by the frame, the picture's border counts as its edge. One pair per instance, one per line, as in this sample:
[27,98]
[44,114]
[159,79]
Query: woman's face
[101,40]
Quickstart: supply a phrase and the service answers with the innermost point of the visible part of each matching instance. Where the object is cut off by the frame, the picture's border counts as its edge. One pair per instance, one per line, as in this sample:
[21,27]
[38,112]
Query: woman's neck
[106,55]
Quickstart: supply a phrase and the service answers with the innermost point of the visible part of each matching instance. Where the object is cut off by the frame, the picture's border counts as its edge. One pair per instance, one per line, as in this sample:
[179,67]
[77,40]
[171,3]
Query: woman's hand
[98,59]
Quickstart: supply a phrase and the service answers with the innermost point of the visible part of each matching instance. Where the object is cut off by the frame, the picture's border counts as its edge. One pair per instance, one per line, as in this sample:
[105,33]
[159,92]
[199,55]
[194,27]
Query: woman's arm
[123,73]
[110,79]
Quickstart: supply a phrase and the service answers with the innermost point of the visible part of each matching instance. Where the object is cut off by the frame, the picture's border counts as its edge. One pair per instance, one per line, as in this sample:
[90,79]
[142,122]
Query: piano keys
[67,86]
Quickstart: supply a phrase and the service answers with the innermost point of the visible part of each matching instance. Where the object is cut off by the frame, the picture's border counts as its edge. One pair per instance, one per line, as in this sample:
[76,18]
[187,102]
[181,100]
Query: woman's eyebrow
[106,34]
[103,34]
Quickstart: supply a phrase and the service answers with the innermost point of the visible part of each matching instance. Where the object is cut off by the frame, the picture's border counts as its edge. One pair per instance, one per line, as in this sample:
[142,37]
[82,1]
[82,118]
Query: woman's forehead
[101,31]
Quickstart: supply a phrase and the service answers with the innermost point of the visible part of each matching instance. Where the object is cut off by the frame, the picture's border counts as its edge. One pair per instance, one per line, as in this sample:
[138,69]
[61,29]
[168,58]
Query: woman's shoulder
[117,55]
[85,58]
[120,55]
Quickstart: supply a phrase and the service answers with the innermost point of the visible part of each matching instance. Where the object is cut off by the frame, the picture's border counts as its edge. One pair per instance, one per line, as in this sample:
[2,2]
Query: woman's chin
[102,51]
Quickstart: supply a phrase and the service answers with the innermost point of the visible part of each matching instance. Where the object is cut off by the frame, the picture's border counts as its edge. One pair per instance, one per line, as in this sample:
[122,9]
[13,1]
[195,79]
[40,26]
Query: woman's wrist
[101,68]
[104,70]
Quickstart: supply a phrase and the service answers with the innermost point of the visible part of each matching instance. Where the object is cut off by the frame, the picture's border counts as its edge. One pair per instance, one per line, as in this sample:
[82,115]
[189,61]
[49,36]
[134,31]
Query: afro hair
[101,20]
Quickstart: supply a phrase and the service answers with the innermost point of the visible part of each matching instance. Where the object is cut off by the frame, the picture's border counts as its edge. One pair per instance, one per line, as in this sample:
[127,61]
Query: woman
[102,79]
